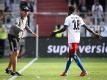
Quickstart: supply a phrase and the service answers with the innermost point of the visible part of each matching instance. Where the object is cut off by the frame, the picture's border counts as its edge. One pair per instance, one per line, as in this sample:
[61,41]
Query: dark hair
[71,9]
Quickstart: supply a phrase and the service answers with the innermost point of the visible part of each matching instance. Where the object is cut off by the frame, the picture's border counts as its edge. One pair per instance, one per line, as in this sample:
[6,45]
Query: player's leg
[14,64]
[77,59]
[14,58]
[68,64]
[14,61]
[69,61]
[8,69]
[20,51]
[11,58]
[78,62]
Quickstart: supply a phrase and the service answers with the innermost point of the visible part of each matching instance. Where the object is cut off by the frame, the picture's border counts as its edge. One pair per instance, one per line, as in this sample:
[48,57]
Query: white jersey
[74,23]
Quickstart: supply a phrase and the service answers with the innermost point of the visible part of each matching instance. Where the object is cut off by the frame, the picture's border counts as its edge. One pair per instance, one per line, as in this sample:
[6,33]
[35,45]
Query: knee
[15,54]
[76,58]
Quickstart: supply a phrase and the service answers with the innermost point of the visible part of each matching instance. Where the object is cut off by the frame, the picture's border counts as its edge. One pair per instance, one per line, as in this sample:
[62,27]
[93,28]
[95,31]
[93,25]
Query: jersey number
[76,24]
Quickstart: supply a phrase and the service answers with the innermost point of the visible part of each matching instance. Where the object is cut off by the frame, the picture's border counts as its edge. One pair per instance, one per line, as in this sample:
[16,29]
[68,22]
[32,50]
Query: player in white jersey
[72,24]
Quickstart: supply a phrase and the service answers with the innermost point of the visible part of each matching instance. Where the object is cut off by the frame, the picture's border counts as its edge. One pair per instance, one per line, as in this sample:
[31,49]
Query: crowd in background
[92,14]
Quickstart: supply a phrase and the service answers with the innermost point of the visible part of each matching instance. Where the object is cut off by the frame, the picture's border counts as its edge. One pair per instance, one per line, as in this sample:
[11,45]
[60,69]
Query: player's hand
[34,34]
[98,36]
[20,54]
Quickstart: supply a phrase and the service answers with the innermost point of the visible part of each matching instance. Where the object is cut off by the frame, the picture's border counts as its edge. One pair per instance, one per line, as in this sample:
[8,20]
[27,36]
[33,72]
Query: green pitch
[50,69]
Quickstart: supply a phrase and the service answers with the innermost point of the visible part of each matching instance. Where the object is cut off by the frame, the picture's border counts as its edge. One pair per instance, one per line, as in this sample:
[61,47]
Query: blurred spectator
[87,20]
[97,12]
[72,2]
[3,34]
[75,2]
[9,5]
[57,28]
[83,9]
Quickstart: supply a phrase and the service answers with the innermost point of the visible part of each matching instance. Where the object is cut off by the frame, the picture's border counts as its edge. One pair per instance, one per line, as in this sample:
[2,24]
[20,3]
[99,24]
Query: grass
[50,69]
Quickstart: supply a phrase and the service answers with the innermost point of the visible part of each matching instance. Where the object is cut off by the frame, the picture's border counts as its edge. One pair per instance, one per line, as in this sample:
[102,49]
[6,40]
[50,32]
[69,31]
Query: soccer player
[15,33]
[72,24]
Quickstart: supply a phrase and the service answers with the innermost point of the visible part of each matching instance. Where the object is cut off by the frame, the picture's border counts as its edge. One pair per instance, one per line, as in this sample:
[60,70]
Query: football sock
[78,62]
[68,65]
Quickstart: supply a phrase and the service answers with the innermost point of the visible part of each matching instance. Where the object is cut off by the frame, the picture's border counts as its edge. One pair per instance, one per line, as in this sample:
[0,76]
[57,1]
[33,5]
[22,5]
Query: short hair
[71,8]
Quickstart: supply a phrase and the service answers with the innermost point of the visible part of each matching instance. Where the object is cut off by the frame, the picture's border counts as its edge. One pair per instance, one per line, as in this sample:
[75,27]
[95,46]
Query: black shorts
[13,42]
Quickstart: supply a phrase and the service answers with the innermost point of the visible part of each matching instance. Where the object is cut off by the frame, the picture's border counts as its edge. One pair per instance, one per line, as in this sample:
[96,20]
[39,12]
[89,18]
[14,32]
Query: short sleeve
[81,21]
[66,21]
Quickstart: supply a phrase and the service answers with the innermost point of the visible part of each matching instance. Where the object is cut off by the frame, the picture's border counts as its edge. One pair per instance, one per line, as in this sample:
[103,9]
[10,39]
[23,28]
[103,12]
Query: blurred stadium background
[44,17]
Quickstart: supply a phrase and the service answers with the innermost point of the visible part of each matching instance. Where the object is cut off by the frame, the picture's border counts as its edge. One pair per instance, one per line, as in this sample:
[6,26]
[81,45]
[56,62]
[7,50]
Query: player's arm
[91,31]
[61,30]
[29,30]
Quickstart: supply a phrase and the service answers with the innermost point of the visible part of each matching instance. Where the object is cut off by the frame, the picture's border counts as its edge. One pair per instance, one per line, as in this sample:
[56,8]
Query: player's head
[71,9]
[24,11]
